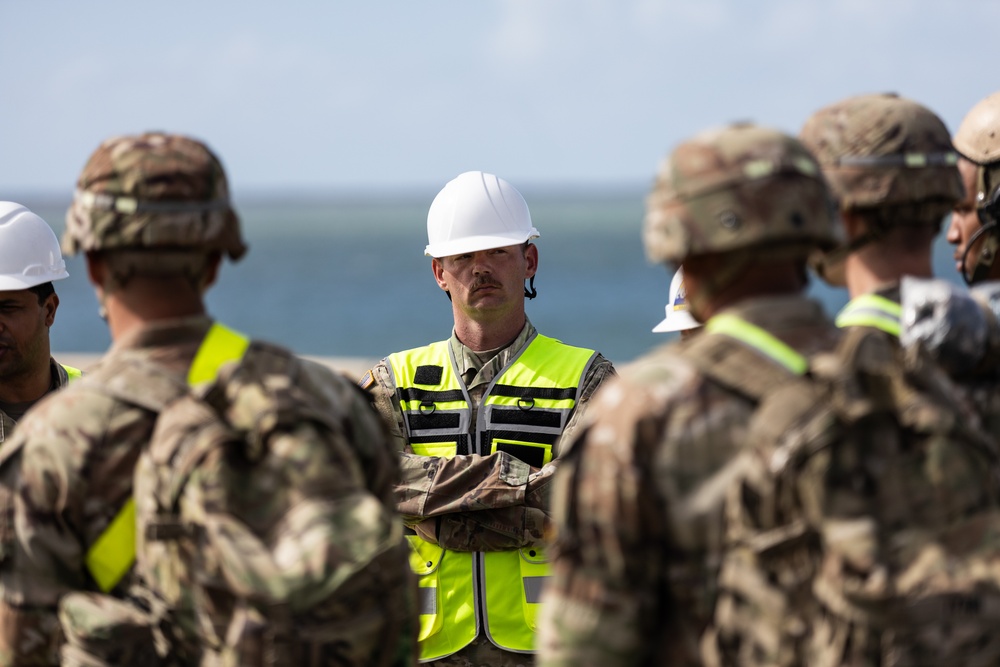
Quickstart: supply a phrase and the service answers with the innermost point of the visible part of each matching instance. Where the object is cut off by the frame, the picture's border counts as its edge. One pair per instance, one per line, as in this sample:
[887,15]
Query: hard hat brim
[477,243]
[14,284]
[680,320]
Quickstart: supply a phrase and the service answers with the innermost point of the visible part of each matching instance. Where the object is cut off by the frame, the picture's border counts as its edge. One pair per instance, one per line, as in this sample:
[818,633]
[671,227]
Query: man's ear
[531,256]
[51,305]
[438,268]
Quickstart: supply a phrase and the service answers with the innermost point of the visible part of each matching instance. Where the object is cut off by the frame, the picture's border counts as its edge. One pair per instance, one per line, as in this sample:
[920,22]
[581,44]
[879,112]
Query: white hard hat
[477,211]
[678,318]
[29,250]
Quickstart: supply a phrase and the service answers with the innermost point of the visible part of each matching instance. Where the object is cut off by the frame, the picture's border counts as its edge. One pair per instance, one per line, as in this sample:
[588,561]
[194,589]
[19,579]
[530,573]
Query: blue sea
[345,275]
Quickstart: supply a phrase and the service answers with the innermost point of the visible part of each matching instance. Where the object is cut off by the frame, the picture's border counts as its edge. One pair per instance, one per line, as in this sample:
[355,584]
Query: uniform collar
[487,364]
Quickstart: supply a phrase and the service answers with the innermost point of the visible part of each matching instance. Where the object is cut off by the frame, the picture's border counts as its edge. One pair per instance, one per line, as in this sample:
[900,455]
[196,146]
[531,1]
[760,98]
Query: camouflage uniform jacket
[638,503]
[63,477]
[435,494]
[59,379]
[71,467]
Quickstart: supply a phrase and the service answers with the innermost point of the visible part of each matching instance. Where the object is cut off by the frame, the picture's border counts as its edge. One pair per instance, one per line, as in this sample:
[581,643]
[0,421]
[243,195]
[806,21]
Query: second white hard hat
[678,318]
[477,211]
[29,250]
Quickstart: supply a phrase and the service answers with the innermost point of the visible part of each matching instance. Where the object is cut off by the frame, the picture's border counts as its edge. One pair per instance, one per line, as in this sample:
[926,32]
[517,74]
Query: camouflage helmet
[978,141]
[154,191]
[978,137]
[738,187]
[883,150]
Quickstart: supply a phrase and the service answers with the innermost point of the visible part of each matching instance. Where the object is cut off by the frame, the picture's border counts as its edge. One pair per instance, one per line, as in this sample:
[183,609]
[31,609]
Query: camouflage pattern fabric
[639,502]
[472,502]
[63,477]
[737,187]
[879,150]
[864,527]
[152,191]
[266,521]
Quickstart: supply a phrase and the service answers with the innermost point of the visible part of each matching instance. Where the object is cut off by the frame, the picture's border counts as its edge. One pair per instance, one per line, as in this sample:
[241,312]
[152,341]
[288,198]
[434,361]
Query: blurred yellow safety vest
[871,310]
[112,554]
[764,342]
[523,412]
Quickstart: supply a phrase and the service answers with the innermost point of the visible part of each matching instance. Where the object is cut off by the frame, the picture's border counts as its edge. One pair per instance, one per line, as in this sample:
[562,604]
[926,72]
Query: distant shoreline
[354,367]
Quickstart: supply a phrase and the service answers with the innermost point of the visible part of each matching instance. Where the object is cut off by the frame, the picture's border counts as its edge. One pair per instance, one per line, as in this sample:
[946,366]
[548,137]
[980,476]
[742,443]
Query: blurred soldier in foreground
[29,263]
[478,418]
[260,528]
[639,503]
[891,167]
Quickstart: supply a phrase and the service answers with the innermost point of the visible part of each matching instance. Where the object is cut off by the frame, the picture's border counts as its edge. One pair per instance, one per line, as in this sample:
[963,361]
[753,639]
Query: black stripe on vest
[420,421]
[517,416]
[429,396]
[555,393]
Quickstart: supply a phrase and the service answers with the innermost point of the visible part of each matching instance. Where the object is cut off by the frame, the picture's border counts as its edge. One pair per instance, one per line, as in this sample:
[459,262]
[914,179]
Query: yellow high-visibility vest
[523,412]
[112,554]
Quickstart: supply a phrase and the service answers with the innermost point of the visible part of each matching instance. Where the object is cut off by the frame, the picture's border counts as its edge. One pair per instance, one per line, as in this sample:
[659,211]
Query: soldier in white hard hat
[678,317]
[478,418]
[29,263]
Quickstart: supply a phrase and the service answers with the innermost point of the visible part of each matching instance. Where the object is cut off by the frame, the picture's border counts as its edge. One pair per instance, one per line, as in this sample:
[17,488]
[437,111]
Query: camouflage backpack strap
[132,378]
[172,447]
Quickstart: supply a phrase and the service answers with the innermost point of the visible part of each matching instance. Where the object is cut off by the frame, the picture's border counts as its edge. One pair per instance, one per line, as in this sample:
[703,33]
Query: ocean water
[346,275]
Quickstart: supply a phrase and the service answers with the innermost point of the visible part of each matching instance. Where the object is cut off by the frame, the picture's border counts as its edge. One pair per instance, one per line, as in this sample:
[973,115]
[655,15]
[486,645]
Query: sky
[338,96]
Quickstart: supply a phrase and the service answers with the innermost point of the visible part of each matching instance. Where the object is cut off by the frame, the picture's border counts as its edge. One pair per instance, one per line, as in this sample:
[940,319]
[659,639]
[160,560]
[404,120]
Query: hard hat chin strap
[987,254]
[988,215]
[530,292]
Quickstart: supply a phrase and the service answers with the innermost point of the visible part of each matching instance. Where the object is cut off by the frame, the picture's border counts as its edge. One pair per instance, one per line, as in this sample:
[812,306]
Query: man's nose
[952,234]
[480,264]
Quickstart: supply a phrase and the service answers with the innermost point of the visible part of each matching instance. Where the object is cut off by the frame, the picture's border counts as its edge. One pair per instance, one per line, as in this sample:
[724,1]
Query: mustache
[485,282]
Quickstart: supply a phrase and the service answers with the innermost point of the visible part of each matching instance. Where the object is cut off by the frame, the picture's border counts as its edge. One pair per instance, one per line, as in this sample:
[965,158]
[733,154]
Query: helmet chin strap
[988,253]
[988,215]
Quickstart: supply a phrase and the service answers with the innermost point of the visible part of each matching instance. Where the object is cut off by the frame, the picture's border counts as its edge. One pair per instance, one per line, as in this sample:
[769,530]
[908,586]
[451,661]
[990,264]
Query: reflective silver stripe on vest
[533,588]
[427,600]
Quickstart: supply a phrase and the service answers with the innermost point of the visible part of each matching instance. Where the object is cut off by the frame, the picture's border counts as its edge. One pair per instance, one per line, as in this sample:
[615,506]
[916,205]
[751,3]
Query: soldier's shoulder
[662,370]
[66,425]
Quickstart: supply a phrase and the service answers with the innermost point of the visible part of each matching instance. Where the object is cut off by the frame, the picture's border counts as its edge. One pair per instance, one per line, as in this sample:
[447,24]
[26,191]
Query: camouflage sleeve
[55,514]
[602,601]
[382,391]
[600,370]
[498,529]
[493,503]
[431,486]
[318,496]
